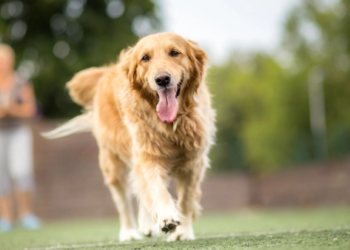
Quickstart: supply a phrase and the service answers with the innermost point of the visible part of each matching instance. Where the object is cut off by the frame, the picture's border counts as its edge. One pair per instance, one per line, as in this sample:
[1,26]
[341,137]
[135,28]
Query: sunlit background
[279,75]
[221,27]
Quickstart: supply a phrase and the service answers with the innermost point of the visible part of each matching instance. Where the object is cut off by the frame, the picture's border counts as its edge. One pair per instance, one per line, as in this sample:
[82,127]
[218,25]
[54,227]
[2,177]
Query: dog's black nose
[162,79]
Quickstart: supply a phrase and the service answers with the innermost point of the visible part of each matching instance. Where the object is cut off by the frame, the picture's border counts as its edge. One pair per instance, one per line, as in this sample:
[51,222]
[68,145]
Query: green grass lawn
[293,229]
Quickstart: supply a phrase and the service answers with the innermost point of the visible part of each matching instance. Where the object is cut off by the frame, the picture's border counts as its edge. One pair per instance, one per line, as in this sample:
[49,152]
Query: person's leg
[24,202]
[6,204]
[21,169]
[6,218]
[6,207]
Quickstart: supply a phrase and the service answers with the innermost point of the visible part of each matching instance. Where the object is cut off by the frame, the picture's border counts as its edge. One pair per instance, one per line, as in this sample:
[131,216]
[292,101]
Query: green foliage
[55,39]
[263,100]
[256,114]
[318,37]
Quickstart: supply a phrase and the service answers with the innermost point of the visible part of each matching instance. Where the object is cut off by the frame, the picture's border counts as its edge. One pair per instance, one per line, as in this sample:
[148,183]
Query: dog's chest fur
[184,139]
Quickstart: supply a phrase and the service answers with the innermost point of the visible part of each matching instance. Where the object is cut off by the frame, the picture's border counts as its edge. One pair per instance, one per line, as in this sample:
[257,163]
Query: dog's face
[168,68]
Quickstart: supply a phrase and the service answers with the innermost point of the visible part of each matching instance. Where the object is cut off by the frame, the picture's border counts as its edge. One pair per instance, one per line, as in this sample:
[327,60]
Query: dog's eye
[174,53]
[145,58]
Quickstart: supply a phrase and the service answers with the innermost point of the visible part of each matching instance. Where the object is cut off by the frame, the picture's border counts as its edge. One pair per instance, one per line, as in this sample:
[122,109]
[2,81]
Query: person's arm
[27,107]
[3,112]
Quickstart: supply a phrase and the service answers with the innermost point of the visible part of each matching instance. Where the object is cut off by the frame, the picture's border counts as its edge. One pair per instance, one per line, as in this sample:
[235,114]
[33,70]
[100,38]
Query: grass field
[297,229]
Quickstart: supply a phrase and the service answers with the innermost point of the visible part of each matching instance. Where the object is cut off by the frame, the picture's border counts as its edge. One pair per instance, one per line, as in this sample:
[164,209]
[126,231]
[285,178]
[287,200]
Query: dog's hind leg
[189,194]
[116,173]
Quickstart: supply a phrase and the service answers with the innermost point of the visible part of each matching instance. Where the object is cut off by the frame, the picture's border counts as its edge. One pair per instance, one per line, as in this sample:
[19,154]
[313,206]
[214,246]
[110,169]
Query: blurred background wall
[70,185]
[279,77]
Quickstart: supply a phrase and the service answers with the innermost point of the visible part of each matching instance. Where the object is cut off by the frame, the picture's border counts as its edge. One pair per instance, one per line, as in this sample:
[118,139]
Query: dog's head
[167,69]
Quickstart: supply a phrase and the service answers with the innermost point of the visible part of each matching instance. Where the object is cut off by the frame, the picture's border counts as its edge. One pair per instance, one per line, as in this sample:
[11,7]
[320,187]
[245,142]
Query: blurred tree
[256,114]
[317,39]
[55,39]
[263,100]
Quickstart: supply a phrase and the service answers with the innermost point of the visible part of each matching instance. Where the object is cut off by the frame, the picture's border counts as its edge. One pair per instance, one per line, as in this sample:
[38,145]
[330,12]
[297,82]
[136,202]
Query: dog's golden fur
[121,100]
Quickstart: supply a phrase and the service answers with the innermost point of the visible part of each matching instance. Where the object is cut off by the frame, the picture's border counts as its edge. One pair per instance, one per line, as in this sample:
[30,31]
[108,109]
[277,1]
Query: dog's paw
[182,233]
[149,231]
[168,220]
[148,228]
[169,225]
[129,234]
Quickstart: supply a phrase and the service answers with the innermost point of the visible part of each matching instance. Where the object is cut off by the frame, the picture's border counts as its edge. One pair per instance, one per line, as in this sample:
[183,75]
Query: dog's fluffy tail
[81,123]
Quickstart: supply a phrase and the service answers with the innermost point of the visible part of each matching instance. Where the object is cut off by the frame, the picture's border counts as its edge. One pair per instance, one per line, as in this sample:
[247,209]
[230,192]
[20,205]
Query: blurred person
[17,105]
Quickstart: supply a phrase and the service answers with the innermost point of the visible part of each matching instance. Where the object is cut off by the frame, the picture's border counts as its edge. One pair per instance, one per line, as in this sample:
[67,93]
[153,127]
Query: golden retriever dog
[152,118]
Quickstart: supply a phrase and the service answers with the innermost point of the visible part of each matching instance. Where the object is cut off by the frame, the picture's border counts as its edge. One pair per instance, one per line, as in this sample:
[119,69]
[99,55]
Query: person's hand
[26,108]
[14,108]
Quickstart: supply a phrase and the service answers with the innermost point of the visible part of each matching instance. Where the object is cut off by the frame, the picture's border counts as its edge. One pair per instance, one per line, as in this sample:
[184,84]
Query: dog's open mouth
[168,105]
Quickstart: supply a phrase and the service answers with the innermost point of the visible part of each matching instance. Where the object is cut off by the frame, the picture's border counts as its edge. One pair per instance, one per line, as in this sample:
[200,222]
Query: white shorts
[16,159]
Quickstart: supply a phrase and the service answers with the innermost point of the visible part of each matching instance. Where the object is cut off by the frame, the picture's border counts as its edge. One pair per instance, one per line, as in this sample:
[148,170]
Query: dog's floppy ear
[129,64]
[199,61]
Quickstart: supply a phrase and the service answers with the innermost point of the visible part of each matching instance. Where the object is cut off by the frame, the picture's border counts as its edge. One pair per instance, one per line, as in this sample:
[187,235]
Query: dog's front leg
[147,225]
[150,183]
[116,173]
[189,194]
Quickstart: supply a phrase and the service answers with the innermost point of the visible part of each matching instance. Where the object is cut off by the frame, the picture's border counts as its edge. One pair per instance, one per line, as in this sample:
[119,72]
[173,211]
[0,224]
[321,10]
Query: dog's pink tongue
[167,106]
